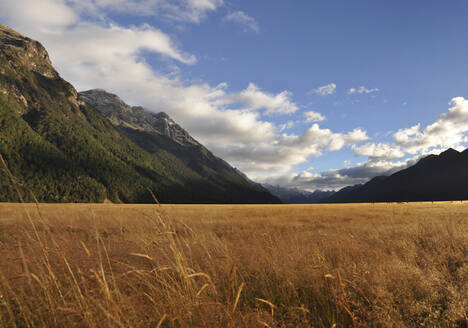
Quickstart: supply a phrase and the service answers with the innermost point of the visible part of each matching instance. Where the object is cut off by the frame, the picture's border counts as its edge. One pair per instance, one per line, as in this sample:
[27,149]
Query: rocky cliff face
[22,56]
[23,52]
[137,118]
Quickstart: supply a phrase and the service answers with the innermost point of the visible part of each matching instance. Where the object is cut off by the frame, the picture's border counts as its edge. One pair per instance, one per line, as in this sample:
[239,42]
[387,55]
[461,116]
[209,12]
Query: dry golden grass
[382,265]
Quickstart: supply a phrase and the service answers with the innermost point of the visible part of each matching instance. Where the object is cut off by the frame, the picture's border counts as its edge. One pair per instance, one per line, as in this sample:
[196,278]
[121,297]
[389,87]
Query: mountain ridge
[61,149]
[433,178]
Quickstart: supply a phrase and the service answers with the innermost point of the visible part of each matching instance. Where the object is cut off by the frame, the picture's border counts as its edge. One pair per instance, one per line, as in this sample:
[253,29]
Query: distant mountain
[442,177]
[297,196]
[61,149]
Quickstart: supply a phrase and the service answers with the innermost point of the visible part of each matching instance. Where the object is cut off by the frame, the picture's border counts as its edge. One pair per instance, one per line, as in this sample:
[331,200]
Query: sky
[313,94]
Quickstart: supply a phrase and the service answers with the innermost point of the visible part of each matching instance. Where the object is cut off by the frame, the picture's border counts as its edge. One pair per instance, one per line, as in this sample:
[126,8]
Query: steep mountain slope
[297,196]
[158,134]
[442,177]
[61,149]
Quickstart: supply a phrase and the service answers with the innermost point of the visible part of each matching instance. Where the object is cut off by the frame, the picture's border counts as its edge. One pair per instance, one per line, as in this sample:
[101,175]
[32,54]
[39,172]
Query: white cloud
[239,17]
[338,178]
[280,153]
[324,90]
[447,131]
[356,136]
[378,151]
[45,14]
[193,11]
[49,14]
[97,42]
[255,98]
[333,141]
[361,90]
[61,29]
[339,140]
[312,116]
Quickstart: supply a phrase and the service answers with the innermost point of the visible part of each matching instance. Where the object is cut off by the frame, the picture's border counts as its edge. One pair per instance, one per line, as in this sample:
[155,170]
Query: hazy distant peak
[298,196]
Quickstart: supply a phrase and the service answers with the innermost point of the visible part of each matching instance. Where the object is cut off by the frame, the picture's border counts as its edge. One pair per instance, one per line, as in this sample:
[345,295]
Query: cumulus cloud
[324,90]
[362,90]
[338,178]
[312,116]
[89,43]
[257,99]
[283,151]
[447,131]
[378,151]
[45,14]
[240,17]
[356,136]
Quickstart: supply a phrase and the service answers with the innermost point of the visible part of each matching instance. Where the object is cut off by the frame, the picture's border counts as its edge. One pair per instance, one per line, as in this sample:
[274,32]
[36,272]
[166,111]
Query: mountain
[442,177]
[297,196]
[162,137]
[61,149]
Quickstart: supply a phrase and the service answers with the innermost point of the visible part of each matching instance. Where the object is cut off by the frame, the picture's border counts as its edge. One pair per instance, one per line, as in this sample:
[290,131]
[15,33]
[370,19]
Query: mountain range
[298,196]
[62,146]
[435,177]
[440,177]
[65,146]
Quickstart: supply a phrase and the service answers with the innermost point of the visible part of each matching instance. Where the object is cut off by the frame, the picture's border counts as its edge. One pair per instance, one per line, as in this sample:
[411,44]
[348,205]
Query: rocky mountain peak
[27,62]
[105,102]
[137,117]
[22,51]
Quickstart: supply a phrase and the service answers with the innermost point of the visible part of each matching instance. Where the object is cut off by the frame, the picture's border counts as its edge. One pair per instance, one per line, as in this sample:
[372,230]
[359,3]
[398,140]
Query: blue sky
[376,77]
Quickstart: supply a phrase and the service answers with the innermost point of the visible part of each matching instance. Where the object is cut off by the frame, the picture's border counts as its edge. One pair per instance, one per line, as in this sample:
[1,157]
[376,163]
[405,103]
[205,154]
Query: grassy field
[374,265]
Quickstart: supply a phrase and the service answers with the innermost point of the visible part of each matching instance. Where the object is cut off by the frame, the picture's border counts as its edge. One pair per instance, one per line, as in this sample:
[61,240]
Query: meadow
[346,265]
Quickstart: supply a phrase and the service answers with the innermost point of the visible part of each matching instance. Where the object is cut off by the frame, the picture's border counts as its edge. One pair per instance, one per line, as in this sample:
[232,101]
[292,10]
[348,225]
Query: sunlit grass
[381,265]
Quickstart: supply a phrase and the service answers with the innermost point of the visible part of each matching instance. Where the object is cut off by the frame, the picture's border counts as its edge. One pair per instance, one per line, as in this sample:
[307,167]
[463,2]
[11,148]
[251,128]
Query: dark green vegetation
[60,149]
